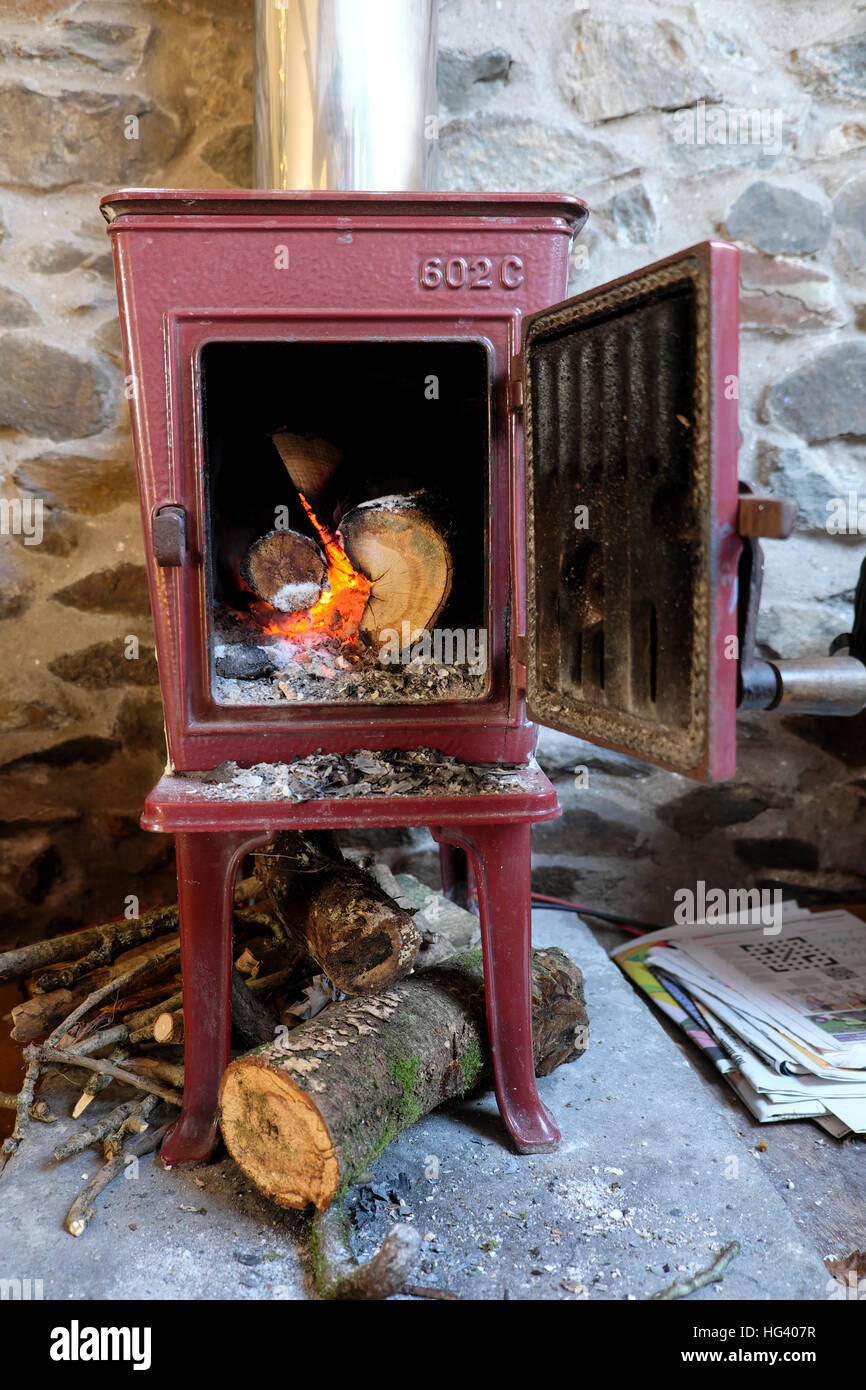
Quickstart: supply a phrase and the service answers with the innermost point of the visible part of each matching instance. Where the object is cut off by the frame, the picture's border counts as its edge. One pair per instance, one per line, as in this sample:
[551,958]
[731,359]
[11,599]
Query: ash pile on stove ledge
[396,772]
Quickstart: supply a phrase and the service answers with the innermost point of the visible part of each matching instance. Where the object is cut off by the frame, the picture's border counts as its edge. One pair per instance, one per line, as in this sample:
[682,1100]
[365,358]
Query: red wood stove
[595,446]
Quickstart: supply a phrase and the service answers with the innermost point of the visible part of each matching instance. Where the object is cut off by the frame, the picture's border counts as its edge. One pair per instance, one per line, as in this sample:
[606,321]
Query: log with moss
[305,1114]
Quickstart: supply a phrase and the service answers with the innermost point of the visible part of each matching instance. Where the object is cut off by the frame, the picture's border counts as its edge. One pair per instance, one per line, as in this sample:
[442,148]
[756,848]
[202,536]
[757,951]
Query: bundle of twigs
[315,932]
[107,1002]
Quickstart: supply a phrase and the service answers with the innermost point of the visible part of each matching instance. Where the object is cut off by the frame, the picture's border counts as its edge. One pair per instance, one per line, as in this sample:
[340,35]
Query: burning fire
[338,610]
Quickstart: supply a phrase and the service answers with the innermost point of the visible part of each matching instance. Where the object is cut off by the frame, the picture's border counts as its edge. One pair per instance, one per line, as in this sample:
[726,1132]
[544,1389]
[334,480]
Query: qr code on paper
[795,953]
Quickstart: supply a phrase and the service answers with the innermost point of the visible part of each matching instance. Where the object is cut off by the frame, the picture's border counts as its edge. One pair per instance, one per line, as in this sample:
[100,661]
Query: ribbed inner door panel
[618,517]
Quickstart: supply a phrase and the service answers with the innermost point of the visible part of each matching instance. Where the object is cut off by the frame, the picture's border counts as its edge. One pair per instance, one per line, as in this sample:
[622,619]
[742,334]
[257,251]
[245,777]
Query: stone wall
[674,122]
[92,97]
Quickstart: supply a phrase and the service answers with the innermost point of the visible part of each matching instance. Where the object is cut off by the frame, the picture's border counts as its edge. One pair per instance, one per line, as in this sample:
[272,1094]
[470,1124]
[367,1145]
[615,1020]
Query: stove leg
[499,857]
[206,865]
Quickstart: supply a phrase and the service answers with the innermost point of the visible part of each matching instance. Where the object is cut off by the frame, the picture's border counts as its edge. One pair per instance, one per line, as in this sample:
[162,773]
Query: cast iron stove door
[630,404]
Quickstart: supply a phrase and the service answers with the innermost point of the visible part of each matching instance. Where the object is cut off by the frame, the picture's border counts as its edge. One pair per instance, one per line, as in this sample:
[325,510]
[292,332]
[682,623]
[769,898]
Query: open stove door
[630,424]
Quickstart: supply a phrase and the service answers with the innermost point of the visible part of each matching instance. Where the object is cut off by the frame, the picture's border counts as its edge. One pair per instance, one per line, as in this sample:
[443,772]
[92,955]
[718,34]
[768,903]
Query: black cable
[613,917]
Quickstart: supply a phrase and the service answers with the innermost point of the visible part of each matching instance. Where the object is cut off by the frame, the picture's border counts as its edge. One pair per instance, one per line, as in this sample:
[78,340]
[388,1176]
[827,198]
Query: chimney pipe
[345,94]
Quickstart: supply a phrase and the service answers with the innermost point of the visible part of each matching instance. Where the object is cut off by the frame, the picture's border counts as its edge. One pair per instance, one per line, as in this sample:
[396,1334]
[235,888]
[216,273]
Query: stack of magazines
[780,1011]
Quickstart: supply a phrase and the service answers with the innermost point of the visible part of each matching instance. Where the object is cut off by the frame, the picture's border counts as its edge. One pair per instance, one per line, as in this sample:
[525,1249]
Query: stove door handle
[168,530]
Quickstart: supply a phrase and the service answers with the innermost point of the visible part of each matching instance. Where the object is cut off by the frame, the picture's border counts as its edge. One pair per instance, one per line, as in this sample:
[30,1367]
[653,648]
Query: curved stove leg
[206,865]
[499,856]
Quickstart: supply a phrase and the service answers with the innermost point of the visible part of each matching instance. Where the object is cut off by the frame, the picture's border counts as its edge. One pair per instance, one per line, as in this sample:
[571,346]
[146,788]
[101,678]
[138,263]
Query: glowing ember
[338,610]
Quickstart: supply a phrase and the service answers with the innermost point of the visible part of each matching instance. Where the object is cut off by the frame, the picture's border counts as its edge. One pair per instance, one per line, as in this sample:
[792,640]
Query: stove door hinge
[515,386]
[168,530]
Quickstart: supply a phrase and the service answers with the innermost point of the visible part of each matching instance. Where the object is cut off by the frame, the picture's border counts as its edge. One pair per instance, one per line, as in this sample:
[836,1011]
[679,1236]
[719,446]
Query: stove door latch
[168,530]
[834,684]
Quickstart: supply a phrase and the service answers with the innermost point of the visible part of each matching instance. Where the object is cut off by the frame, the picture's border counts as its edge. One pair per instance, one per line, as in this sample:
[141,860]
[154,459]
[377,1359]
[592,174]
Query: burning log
[402,545]
[285,569]
[305,1114]
[354,931]
[312,464]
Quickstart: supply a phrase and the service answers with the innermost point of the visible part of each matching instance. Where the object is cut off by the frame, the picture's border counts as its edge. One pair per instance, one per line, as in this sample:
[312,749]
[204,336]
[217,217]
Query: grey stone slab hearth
[651,1179]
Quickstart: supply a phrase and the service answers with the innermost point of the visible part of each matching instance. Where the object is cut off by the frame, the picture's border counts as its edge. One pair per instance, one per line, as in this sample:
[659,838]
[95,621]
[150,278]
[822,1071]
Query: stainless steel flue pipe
[345,94]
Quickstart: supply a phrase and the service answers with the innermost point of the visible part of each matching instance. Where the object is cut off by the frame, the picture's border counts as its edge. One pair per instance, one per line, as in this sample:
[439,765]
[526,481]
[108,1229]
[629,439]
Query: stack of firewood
[360,1012]
[106,1005]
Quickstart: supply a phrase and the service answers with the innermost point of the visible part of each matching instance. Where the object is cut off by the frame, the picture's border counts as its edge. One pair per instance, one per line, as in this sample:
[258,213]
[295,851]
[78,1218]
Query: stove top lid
[233,202]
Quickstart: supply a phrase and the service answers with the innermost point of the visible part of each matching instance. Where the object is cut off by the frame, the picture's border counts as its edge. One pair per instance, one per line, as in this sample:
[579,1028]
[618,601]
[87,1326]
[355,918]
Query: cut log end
[404,551]
[285,569]
[275,1133]
[168,1027]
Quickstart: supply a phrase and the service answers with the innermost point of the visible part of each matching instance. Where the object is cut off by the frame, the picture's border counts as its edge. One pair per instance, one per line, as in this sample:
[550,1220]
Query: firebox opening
[346,495]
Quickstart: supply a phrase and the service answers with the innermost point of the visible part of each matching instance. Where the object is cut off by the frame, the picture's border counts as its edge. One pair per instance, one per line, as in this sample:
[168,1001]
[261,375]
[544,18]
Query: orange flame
[338,610]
